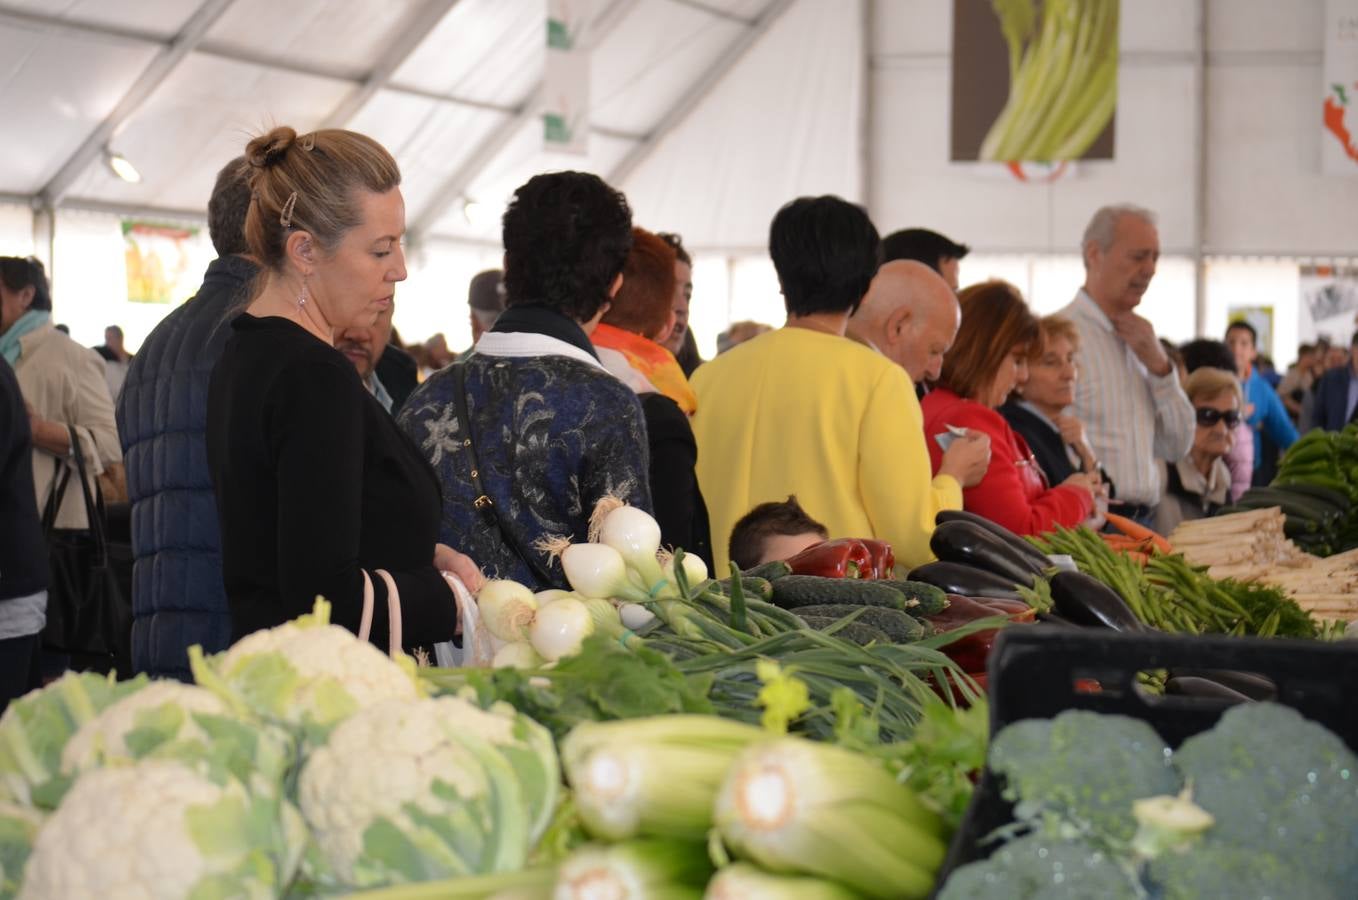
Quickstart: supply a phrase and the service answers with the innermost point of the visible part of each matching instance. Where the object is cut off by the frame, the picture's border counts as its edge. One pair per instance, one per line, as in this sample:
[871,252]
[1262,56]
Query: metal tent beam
[425,19]
[456,185]
[695,95]
[151,78]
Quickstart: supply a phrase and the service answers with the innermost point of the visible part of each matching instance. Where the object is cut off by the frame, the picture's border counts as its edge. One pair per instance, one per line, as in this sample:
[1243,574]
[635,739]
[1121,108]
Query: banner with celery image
[1034,81]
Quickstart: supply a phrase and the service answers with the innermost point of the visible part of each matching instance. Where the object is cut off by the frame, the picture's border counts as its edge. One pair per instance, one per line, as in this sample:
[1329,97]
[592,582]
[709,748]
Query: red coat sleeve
[1012,493]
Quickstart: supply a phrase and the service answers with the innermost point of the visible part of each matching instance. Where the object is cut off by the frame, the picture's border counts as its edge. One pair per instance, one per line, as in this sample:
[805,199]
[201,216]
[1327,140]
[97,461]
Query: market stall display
[806,729]
[1126,795]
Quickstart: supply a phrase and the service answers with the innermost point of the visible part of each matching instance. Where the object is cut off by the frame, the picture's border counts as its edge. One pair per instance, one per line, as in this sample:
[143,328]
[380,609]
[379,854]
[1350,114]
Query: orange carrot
[1139,532]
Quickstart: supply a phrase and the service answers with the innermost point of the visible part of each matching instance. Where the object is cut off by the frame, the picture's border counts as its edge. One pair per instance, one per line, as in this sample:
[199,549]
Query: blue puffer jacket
[177,595]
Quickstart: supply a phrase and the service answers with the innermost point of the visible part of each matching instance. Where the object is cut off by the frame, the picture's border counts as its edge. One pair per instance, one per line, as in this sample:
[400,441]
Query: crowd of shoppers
[282,443]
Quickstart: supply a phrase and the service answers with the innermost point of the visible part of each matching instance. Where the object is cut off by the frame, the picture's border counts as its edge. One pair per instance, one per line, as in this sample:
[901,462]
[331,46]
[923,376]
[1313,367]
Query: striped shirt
[1131,417]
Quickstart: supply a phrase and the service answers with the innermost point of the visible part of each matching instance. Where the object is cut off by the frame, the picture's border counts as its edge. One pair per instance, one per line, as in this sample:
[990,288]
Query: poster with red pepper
[1339,108]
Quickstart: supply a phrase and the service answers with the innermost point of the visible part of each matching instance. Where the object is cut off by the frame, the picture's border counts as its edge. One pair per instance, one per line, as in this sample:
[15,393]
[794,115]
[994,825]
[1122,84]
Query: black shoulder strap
[483,502]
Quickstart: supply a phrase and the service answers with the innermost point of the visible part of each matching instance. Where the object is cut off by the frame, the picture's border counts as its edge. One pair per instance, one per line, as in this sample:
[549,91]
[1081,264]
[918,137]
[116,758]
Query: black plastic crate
[1037,672]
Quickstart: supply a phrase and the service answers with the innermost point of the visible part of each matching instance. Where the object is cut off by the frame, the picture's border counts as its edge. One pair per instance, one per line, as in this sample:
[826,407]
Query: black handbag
[88,613]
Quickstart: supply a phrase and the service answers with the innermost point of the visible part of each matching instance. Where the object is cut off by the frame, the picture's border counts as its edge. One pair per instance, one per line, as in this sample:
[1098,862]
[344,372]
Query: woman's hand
[446,559]
[1085,481]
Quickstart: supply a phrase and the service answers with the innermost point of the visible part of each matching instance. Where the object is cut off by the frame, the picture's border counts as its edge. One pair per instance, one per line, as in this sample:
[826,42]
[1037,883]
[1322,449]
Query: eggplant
[1087,601]
[1255,687]
[956,578]
[972,545]
[1193,686]
[1033,557]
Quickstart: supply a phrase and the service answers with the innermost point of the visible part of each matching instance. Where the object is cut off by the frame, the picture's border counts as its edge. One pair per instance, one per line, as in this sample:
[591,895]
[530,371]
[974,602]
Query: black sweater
[679,507]
[23,549]
[314,482]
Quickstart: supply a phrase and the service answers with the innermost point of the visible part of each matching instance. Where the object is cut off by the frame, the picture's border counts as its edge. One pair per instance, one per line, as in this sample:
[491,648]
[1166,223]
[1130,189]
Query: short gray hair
[1105,221]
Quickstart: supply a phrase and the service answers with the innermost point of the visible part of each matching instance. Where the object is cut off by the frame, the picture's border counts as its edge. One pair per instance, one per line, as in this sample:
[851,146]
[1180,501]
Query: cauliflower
[159,829]
[18,827]
[1085,769]
[35,728]
[159,712]
[306,674]
[414,790]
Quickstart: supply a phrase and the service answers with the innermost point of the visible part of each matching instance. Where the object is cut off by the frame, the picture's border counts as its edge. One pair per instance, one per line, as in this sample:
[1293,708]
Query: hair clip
[309,141]
[286,218]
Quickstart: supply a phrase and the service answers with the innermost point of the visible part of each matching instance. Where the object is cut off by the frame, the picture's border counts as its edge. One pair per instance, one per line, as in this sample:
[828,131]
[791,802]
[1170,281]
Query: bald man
[910,315]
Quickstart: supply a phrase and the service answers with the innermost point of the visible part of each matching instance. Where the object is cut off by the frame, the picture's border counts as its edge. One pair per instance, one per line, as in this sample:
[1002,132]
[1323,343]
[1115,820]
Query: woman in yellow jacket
[803,410]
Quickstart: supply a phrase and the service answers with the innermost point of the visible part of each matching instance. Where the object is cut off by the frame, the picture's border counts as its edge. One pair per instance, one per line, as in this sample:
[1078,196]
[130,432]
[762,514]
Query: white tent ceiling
[450,86]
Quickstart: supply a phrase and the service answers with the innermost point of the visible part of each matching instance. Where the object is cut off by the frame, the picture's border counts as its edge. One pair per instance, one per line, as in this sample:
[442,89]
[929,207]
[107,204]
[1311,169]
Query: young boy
[775,530]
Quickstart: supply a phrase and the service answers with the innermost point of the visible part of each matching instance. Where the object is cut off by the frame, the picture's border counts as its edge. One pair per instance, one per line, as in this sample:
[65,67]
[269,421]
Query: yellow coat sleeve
[899,494]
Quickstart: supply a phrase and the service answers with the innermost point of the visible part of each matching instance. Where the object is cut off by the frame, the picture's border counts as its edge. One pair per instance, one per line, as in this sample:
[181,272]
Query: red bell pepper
[971,652]
[846,558]
[883,560]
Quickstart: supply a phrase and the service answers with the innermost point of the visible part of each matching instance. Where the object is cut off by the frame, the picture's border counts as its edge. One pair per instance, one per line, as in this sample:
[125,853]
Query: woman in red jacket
[987,361]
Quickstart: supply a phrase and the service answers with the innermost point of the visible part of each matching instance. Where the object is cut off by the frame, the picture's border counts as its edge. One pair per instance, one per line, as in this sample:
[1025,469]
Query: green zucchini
[900,627]
[794,591]
[770,571]
[1325,495]
[921,599]
[855,632]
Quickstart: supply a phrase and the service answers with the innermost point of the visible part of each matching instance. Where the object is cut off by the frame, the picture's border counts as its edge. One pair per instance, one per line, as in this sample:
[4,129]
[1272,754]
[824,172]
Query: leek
[531,884]
[644,869]
[653,776]
[744,882]
[794,806]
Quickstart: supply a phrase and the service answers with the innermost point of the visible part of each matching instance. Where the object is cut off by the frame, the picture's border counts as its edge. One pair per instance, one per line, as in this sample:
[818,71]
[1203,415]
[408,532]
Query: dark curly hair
[825,252]
[566,237]
[18,273]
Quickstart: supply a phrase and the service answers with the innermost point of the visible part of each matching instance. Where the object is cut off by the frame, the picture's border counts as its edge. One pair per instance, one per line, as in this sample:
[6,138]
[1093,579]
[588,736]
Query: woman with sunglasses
[1199,484]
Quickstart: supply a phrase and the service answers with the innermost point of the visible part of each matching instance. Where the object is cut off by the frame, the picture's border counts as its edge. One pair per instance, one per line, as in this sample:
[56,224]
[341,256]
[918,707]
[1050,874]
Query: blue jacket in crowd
[1269,416]
[1334,398]
[177,594]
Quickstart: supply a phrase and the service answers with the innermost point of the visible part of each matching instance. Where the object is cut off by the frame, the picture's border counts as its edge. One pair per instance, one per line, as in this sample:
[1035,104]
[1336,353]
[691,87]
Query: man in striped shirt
[1128,394]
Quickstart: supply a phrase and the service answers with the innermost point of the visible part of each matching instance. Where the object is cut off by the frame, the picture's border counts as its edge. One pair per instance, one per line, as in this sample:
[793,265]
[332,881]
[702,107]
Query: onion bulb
[695,570]
[507,609]
[548,596]
[635,616]
[560,628]
[518,655]
[635,534]
[598,570]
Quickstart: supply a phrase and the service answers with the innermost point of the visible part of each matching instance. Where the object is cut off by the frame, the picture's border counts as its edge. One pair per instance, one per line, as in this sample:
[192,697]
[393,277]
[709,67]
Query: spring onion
[594,570]
[653,776]
[507,609]
[743,881]
[794,806]
[560,628]
[545,597]
[644,869]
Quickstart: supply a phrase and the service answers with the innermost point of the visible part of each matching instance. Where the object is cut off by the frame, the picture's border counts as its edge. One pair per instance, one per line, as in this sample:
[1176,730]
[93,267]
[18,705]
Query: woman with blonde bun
[318,492]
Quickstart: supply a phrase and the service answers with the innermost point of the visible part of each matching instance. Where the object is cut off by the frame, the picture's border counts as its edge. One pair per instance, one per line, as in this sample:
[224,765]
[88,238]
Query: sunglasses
[1210,417]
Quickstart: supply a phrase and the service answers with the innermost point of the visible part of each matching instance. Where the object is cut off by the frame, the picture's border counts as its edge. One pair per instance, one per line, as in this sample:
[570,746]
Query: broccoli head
[1084,770]
[1278,783]
[1214,869]
[1039,866]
